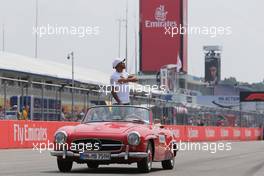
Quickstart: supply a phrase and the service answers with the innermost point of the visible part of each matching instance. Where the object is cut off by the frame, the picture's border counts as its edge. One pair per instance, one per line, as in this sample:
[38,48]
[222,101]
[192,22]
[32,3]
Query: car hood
[106,127]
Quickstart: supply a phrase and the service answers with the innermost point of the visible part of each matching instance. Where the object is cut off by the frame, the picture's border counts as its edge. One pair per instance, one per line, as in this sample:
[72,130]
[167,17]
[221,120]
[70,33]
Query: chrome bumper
[124,155]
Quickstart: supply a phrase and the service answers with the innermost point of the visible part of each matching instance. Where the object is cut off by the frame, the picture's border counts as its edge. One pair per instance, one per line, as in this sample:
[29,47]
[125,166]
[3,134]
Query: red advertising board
[179,132]
[158,47]
[209,133]
[4,134]
[26,134]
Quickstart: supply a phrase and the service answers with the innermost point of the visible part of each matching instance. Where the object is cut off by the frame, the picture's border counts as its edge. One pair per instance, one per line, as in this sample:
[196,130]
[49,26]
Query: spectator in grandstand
[164,120]
[191,122]
[201,122]
[25,112]
[15,108]
[82,113]
[119,82]
[2,115]
[218,123]
[62,117]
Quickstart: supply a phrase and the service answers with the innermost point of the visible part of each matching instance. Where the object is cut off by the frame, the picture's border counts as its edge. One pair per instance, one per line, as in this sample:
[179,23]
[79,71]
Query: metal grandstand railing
[48,101]
[45,101]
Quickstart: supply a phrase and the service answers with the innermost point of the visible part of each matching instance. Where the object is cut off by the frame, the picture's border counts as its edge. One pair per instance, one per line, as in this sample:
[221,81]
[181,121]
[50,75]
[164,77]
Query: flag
[179,64]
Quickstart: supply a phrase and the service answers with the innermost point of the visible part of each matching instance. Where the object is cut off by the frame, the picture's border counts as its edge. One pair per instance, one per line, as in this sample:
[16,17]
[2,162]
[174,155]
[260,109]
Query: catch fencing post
[4,98]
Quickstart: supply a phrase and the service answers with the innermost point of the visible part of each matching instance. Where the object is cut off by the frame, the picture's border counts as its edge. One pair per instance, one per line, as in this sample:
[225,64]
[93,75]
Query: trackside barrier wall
[24,134]
[198,133]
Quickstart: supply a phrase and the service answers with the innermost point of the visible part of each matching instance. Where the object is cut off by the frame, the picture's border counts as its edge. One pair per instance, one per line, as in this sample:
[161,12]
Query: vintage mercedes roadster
[115,134]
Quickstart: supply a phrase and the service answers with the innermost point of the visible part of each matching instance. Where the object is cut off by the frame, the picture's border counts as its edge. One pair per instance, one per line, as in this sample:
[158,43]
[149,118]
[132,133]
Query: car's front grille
[104,144]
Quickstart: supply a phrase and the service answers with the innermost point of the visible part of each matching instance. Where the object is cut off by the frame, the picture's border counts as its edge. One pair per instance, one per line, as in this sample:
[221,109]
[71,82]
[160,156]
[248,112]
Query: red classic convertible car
[115,134]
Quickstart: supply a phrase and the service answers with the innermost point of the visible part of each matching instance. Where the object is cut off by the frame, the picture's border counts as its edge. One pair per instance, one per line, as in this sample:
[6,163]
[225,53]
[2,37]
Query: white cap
[117,61]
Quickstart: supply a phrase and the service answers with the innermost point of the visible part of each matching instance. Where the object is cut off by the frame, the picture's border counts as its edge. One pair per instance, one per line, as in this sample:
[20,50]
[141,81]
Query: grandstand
[22,67]
[25,76]
[33,79]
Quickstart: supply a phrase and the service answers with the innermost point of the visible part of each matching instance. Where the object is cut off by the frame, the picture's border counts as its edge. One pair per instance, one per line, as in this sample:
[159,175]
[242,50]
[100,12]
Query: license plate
[95,156]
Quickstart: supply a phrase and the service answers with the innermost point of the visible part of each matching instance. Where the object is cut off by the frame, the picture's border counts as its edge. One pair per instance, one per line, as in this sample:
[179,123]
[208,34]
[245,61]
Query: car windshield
[117,113]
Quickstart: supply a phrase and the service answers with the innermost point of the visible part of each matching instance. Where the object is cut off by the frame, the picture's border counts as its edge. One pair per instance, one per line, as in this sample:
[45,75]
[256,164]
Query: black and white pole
[126,33]
[71,56]
[3,37]
[36,28]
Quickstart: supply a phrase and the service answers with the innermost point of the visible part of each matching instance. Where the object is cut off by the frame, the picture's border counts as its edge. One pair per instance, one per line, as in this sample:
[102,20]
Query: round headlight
[60,137]
[133,138]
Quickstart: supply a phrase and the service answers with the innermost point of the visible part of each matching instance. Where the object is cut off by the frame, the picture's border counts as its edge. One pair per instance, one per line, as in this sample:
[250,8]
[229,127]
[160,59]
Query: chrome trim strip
[118,155]
[112,145]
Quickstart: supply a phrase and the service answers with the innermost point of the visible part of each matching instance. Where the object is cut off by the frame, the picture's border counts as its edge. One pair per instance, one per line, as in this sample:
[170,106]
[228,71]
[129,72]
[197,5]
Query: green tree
[230,81]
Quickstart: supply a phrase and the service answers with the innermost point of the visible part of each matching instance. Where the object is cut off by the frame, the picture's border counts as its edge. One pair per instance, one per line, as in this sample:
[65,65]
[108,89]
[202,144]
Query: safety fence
[47,101]
[29,134]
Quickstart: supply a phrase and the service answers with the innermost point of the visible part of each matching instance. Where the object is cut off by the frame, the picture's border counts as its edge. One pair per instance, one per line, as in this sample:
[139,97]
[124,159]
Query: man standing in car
[119,81]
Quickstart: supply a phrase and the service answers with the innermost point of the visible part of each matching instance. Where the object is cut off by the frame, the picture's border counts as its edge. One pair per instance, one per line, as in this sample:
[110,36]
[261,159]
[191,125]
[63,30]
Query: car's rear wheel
[145,165]
[93,165]
[168,164]
[64,165]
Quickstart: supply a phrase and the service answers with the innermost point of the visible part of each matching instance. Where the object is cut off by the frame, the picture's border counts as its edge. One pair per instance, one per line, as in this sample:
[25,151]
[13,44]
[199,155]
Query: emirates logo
[160,19]
[160,13]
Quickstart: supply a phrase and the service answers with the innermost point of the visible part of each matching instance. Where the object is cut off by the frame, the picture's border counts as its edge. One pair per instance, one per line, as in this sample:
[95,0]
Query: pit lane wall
[24,134]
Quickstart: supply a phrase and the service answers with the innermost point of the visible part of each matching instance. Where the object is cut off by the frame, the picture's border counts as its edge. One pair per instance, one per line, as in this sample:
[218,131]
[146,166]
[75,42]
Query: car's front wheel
[64,165]
[168,164]
[145,165]
[93,165]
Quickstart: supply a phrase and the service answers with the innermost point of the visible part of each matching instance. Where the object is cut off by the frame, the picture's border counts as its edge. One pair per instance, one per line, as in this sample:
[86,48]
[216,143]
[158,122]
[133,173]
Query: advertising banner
[27,134]
[179,132]
[229,102]
[212,69]
[158,48]
[211,133]
[252,96]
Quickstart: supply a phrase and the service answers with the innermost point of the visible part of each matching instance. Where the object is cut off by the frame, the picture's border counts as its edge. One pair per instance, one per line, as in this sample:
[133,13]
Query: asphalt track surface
[245,159]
